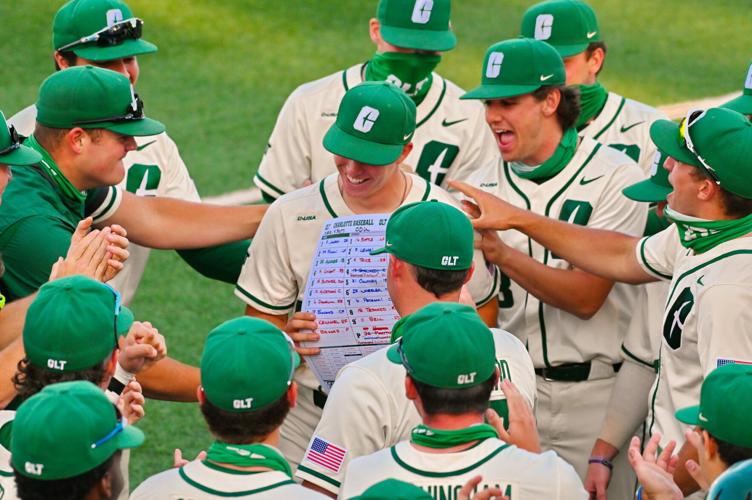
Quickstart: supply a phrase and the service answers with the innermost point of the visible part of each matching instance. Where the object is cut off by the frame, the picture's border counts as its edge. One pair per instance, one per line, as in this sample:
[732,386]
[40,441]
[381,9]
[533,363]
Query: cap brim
[647,191]
[379,251]
[689,415]
[21,156]
[440,41]
[571,50]
[392,354]
[499,91]
[341,143]
[134,128]
[124,320]
[128,48]
[665,135]
[742,104]
[131,437]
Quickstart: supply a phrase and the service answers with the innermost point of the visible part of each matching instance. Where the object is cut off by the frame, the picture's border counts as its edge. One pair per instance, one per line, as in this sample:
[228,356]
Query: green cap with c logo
[743,103]
[568,25]
[247,364]
[73,324]
[466,356]
[67,429]
[516,67]
[374,122]
[430,234]
[417,24]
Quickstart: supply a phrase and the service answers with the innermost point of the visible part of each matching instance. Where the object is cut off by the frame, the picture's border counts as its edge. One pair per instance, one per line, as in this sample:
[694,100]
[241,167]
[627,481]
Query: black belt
[319,397]
[570,372]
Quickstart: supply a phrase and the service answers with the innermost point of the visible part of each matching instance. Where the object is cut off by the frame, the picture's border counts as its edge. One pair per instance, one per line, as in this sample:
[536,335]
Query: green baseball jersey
[519,474]
[7,481]
[198,481]
[586,192]
[624,124]
[155,168]
[450,140]
[367,409]
[707,321]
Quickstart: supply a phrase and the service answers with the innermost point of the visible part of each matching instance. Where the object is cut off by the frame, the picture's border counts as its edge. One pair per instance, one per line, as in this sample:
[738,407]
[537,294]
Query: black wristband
[602,461]
[116,386]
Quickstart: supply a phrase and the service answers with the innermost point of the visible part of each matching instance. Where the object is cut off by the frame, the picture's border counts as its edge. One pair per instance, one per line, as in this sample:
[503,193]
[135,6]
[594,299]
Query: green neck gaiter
[410,72]
[248,455]
[592,99]
[702,235]
[48,164]
[438,438]
[549,168]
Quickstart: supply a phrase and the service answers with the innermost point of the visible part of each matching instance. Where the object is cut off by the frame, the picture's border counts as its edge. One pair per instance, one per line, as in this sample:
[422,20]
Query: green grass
[225,67]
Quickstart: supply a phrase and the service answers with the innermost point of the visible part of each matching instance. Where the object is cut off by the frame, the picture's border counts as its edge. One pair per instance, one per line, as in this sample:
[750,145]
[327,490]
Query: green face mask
[702,235]
[438,438]
[410,72]
[592,99]
[561,157]
[248,455]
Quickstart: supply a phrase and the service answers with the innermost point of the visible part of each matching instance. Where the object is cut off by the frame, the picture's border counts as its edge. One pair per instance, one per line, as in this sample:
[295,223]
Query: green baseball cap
[725,400]
[653,189]
[90,97]
[568,25]
[743,103]
[247,364]
[466,357]
[735,483]
[99,30]
[430,234]
[374,123]
[73,324]
[68,429]
[417,24]
[717,140]
[516,67]
[393,489]
[12,152]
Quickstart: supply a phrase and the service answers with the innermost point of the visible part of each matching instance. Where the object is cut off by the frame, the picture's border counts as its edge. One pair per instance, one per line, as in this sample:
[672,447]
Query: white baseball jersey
[643,338]
[451,138]
[519,474]
[198,481]
[586,192]
[154,169]
[367,409]
[624,124]
[7,481]
[275,273]
[707,321]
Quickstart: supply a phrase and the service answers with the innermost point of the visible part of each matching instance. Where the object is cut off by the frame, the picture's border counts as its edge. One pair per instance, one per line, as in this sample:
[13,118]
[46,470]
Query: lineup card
[346,289]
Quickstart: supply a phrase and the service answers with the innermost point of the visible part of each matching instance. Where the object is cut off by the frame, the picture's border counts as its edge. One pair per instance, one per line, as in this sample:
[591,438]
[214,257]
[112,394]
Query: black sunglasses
[111,35]
[15,141]
[134,111]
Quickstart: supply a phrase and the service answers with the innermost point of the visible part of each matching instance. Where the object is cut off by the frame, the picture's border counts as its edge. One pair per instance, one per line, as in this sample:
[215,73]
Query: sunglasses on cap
[692,118]
[114,432]
[292,358]
[15,141]
[403,356]
[111,35]
[134,111]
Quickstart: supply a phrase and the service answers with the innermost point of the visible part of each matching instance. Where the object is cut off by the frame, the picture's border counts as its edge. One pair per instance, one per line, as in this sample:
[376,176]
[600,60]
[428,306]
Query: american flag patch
[325,454]
[728,361]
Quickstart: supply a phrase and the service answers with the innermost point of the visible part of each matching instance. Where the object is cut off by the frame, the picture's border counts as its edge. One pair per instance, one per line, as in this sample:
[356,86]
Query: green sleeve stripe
[231,493]
[438,103]
[113,198]
[635,358]
[261,302]
[621,105]
[6,474]
[645,261]
[259,180]
[306,470]
[494,289]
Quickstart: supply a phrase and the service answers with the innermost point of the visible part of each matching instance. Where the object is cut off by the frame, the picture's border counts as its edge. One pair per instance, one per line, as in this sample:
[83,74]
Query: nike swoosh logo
[407,137]
[447,123]
[624,129]
[584,181]
[591,34]
[144,146]
[702,417]
[544,78]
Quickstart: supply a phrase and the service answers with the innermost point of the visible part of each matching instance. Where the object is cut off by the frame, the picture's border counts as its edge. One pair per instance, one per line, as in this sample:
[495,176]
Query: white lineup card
[346,289]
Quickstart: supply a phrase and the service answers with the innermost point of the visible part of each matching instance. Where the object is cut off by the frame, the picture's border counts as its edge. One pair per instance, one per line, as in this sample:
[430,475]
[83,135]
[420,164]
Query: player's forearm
[170,380]
[489,313]
[12,318]
[278,320]
[319,489]
[222,262]
[573,291]
[608,254]
[9,358]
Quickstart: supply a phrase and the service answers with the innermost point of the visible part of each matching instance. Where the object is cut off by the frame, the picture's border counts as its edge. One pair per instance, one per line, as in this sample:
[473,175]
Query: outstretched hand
[655,471]
[486,211]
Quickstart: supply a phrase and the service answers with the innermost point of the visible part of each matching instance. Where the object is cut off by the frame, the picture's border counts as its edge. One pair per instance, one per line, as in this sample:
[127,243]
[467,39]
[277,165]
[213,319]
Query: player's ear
[109,369]
[405,152]
[710,446]
[374,30]
[60,61]
[292,394]
[595,61]
[75,139]
[469,274]
[200,395]
[410,391]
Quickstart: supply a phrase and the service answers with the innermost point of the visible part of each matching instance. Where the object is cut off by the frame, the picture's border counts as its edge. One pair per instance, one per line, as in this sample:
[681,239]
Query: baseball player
[366,410]
[572,321]
[155,167]
[450,388]
[244,410]
[707,257]
[370,139]
[450,138]
[628,406]
[54,459]
[571,27]
[743,103]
